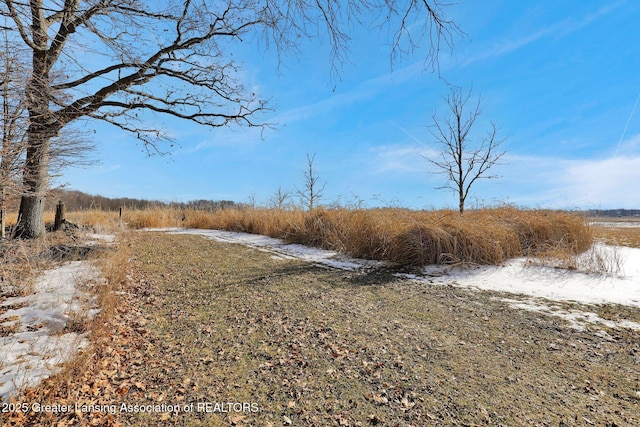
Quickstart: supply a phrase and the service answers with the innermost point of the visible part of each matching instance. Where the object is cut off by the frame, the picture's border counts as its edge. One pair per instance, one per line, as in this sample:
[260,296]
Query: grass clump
[406,237]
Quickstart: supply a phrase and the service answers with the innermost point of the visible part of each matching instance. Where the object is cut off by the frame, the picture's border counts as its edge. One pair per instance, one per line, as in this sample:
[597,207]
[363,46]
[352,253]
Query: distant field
[618,231]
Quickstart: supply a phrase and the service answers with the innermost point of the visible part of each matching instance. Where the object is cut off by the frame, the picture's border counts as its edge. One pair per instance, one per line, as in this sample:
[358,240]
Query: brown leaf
[379,399]
[123,390]
[235,419]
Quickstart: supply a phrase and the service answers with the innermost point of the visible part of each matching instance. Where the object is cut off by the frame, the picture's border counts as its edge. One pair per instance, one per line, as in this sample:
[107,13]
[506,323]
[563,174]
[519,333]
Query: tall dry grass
[406,237]
[22,260]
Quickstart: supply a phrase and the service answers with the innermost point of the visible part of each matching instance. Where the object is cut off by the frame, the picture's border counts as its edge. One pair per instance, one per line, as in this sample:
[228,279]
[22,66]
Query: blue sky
[561,79]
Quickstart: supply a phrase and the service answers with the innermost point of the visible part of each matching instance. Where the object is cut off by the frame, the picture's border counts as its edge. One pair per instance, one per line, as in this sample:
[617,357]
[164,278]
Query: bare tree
[313,190]
[251,201]
[463,158]
[14,124]
[125,61]
[279,199]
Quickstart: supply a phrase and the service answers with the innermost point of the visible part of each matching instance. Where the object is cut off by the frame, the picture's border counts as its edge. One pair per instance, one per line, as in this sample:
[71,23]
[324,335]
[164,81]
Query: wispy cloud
[363,91]
[609,182]
[101,170]
[536,181]
[401,158]
[408,133]
[559,29]
[629,146]
[228,137]
[307,111]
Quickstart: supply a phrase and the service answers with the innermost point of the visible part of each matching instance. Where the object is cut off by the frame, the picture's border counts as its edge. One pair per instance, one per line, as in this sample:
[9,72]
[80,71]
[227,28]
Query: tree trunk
[3,215]
[42,127]
[59,220]
[36,180]
[31,224]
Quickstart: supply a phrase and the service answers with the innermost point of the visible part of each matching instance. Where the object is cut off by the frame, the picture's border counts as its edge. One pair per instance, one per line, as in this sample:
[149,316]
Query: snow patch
[281,249]
[40,345]
[520,276]
[576,318]
[101,238]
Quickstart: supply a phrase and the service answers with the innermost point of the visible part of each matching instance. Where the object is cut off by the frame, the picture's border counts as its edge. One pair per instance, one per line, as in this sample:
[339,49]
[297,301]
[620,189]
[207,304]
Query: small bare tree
[251,201]
[279,199]
[313,190]
[463,158]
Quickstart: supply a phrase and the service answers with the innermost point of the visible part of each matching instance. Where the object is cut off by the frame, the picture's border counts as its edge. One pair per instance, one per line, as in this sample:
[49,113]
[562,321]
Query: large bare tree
[71,148]
[465,156]
[120,61]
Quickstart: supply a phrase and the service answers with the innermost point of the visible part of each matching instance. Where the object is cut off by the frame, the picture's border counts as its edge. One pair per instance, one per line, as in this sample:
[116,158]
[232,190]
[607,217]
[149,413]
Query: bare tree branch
[279,198]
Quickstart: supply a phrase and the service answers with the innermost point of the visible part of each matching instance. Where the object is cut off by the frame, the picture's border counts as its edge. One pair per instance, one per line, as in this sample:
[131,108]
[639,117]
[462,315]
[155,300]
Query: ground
[252,338]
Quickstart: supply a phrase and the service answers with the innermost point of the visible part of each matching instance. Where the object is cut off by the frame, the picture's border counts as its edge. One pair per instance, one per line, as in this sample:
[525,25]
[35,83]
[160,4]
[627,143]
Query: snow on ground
[577,318]
[98,238]
[616,224]
[280,249]
[40,343]
[521,276]
[543,284]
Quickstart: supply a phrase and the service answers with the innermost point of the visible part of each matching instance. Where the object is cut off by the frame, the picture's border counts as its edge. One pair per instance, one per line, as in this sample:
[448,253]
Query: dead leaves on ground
[104,378]
[312,349]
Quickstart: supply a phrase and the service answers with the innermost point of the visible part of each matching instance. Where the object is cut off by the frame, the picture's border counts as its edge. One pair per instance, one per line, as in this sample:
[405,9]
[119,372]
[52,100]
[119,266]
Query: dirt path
[222,334]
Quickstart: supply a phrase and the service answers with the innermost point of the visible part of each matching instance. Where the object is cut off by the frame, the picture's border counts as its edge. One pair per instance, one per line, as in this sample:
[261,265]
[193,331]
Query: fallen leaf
[235,419]
[379,399]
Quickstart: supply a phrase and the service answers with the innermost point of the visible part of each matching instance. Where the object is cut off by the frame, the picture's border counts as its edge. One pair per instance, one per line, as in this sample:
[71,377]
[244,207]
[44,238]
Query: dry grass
[622,236]
[22,260]
[12,217]
[99,220]
[406,237]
